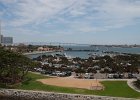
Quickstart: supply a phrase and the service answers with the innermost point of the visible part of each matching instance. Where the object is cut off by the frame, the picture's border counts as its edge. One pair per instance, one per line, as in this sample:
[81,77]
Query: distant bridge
[53,43]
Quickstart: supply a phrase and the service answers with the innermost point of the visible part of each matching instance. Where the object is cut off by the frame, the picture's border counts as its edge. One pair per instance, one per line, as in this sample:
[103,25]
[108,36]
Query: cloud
[94,15]
[69,16]
[39,11]
[36,11]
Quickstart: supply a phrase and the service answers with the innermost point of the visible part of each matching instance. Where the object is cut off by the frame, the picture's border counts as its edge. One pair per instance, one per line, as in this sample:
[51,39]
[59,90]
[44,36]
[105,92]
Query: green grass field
[112,88]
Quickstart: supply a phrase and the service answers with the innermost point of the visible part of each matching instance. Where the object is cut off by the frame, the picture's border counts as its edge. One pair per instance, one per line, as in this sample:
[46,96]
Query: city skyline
[72,21]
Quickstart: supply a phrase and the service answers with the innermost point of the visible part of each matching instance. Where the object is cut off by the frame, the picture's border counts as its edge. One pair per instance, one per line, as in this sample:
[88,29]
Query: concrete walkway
[131,85]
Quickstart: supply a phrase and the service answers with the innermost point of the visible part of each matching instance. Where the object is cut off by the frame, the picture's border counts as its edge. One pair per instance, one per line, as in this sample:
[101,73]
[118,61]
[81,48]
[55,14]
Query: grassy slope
[112,88]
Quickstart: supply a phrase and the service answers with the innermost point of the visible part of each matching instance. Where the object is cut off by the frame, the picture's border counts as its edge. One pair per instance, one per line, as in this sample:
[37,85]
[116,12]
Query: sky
[71,21]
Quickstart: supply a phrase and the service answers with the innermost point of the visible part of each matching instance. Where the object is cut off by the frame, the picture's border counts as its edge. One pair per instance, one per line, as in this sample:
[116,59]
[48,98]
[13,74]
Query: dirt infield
[73,82]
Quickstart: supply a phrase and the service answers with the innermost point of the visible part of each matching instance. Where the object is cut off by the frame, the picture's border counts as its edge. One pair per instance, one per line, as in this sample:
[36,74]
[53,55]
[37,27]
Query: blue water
[135,50]
[85,54]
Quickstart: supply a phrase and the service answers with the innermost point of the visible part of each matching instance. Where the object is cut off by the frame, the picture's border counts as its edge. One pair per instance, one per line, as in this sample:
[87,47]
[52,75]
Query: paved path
[131,85]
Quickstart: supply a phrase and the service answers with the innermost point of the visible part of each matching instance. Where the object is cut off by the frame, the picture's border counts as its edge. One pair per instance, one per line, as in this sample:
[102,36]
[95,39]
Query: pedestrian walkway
[131,84]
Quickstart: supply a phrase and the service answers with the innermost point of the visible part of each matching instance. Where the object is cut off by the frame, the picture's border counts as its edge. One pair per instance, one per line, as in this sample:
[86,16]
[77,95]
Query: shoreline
[38,52]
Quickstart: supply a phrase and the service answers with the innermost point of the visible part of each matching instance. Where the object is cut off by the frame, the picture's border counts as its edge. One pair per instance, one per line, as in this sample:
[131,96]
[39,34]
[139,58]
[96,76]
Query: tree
[91,70]
[13,66]
[137,83]
[64,60]
[77,59]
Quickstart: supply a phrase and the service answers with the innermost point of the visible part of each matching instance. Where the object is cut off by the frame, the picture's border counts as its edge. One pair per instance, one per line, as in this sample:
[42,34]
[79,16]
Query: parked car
[110,76]
[121,76]
[88,76]
[46,72]
[131,75]
[116,75]
[68,73]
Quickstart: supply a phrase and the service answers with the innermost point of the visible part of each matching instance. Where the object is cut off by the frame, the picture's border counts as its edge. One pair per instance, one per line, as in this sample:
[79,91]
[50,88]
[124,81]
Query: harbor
[87,51]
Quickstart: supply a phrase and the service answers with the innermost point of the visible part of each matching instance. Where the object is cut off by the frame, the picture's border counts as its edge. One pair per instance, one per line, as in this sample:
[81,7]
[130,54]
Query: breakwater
[10,94]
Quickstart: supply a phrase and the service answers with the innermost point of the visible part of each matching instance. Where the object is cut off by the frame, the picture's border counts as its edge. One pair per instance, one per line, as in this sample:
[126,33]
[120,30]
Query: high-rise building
[1,39]
[5,40]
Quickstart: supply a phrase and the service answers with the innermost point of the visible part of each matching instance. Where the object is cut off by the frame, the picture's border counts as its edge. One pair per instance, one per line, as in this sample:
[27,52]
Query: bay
[84,51]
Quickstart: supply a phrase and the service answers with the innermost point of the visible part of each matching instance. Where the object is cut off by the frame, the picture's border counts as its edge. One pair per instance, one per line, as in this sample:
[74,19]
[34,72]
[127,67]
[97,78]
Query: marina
[87,51]
[69,49]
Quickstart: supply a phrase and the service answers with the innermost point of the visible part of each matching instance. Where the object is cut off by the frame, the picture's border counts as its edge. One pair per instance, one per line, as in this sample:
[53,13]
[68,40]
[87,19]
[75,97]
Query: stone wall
[11,94]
